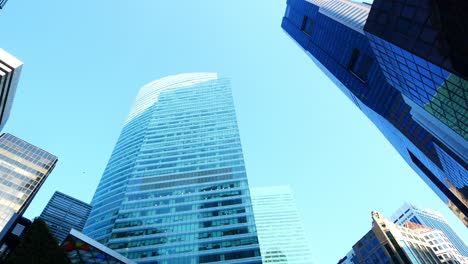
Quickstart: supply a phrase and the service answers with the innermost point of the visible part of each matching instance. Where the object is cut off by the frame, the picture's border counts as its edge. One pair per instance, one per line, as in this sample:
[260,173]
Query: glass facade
[440,244]
[432,219]
[356,70]
[279,226]
[439,92]
[23,169]
[62,213]
[175,189]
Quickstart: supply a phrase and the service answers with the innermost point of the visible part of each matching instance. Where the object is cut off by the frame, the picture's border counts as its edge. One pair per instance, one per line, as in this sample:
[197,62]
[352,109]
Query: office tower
[440,244]
[82,249]
[62,213]
[421,52]
[390,243]
[10,70]
[332,33]
[175,189]
[279,226]
[432,219]
[23,169]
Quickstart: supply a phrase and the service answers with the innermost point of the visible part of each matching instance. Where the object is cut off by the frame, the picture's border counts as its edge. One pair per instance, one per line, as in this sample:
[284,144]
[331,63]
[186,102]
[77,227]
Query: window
[359,65]
[307,25]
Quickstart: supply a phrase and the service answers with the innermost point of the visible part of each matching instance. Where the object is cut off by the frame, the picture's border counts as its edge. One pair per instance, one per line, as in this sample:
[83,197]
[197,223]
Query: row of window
[188,198]
[180,227]
[181,208]
[180,238]
[179,218]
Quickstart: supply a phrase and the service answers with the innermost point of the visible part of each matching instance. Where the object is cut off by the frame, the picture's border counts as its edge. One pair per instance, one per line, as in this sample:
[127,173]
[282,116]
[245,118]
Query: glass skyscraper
[332,33]
[432,219]
[279,226]
[63,212]
[175,189]
[23,170]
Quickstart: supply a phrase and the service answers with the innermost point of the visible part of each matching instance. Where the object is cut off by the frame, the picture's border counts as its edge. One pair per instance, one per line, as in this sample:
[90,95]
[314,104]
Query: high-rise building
[422,54]
[332,33]
[432,219]
[279,226]
[390,243]
[441,245]
[23,170]
[175,189]
[10,70]
[62,213]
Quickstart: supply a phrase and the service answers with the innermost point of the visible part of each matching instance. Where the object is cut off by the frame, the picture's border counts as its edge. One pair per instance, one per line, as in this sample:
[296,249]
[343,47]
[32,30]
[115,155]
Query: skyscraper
[422,54]
[10,70]
[63,212]
[390,243]
[175,189]
[332,33]
[438,241]
[279,226]
[432,219]
[23,170]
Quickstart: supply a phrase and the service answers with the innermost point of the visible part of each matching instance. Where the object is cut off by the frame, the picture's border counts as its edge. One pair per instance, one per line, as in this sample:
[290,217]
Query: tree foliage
[38,247]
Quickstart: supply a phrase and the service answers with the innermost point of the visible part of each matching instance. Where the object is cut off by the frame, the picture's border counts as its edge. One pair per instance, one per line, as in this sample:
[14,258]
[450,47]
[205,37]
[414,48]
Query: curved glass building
[175,189]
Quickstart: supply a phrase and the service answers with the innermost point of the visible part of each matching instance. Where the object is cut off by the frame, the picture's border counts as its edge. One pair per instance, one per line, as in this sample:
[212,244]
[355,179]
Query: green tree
[38,247]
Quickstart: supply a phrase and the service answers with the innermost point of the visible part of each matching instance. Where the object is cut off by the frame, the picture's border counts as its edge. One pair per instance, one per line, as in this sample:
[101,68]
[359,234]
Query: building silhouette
[23,169]
[63,213]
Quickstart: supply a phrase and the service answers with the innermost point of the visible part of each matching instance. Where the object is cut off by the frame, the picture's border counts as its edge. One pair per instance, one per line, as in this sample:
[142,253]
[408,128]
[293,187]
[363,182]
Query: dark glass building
[332,33]
[175,189]
[422,49]
[63,212]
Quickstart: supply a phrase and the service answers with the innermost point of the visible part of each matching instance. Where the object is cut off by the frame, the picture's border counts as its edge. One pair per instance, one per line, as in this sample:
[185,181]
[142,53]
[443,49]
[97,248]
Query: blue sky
[86,60]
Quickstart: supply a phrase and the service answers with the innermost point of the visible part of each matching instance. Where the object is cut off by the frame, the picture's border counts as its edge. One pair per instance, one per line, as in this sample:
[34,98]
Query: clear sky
[84,62]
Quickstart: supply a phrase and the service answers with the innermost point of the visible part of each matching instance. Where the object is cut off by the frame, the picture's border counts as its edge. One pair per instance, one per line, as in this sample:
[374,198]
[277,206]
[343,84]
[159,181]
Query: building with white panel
[279,226]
